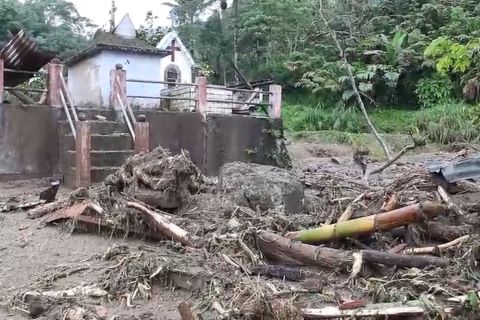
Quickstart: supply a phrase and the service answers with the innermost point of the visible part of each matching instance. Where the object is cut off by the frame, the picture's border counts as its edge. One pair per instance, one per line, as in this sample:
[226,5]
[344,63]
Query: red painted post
[2,65]
[142,137]
[82,154]
[121,90]
[202,106]
[54,84]
[275,108]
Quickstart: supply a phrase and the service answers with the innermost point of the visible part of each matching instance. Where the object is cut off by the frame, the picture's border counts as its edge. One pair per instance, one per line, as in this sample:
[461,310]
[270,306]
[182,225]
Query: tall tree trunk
[235,39]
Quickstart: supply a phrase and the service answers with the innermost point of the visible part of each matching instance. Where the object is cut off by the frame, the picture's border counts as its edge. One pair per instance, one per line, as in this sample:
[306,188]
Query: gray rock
[265,187]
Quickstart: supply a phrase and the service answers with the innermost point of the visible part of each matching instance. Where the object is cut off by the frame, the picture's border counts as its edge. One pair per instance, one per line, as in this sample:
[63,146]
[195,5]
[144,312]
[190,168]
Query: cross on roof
[173,47]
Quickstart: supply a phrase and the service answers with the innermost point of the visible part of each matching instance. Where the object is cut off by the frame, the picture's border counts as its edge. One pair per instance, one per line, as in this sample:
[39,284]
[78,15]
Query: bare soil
[29,253]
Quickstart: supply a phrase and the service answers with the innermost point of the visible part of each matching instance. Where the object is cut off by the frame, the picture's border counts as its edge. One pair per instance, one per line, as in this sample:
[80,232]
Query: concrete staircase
[111,146]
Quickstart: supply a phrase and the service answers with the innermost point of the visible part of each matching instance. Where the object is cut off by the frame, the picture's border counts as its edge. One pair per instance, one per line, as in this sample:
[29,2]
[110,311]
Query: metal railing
[126,109]
[64,92]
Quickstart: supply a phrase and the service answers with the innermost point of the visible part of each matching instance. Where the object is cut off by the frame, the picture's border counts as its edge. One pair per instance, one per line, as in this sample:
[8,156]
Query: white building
[89,69]
[177,67]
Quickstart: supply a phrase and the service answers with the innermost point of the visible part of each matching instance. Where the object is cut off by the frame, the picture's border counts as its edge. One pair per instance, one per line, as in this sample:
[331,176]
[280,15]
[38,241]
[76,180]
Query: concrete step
[105,158]
[117,141]
[99,127]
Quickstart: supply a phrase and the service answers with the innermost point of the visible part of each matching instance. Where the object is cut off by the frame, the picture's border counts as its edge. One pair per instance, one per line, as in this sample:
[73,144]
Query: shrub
[434,90]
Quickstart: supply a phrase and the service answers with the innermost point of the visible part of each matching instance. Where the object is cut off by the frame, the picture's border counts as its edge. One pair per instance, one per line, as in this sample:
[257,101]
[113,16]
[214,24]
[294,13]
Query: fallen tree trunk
[285,251]
[280,249]
[40,211]
[372,223]
[166,227]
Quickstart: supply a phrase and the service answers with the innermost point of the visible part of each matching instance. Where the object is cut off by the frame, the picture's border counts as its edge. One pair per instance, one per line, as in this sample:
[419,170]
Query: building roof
[115,41]
[167,40]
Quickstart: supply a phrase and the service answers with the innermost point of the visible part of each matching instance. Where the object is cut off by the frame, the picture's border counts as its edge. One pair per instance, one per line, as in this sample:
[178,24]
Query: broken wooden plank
[70,212]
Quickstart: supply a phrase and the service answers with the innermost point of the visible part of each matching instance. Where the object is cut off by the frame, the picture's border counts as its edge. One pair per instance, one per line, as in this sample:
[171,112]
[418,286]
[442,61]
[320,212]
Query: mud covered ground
[37,257]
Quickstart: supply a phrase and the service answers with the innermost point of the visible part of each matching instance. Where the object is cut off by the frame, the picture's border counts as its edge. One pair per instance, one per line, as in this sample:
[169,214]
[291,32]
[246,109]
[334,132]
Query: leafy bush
[434,90]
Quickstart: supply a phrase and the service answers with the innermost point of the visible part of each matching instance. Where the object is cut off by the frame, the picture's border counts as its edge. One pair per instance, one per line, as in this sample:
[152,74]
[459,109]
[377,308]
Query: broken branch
[390,161]
[438,248]
[450,204]
[166,227]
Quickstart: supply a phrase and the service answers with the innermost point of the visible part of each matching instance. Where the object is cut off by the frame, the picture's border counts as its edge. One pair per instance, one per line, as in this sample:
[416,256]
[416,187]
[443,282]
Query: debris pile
[266,243]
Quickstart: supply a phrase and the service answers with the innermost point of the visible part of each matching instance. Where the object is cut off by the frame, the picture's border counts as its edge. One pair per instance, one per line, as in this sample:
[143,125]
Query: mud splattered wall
[28,141]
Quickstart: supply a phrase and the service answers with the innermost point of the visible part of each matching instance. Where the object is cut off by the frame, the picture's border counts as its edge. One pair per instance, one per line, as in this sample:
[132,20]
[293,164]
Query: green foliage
[448,122]
[55,24]
[434,89]
[150,31]
[451,56]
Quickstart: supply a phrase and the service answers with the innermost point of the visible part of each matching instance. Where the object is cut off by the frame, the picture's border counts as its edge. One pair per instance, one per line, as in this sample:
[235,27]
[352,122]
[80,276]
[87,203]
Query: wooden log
[372,223]
[280,249]
[401,260]
[40,211]
[289,252]
[166,227]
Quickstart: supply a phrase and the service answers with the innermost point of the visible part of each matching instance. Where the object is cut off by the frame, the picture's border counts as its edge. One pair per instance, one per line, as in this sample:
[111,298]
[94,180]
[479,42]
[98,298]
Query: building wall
[89,80]
[140,67]
[85,83]
[182,63]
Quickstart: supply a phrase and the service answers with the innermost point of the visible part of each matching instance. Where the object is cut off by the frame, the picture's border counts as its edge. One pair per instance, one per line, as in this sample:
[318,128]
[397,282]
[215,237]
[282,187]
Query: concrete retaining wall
[246,139]
[178,130]
[28,141]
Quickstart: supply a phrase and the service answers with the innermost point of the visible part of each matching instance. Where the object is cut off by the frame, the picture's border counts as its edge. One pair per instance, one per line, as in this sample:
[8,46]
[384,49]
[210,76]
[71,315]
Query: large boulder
[263,187]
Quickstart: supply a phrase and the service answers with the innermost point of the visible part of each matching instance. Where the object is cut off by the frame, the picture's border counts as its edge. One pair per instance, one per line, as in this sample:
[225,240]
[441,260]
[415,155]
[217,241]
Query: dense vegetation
[55,24]
[416,63]
[405,54]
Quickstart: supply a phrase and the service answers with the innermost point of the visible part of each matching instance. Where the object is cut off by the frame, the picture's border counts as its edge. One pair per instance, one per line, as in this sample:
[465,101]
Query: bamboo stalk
[370,224]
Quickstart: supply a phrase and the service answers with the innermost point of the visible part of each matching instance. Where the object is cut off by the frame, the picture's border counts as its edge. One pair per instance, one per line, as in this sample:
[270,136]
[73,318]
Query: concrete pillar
[2,82]
[142,137]
[115,89]
[201,96]
[82,154]
[54,84]
[275,108]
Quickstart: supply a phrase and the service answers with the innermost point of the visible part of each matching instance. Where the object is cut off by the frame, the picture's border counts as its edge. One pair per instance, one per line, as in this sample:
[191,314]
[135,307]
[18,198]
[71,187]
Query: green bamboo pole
[370,224]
